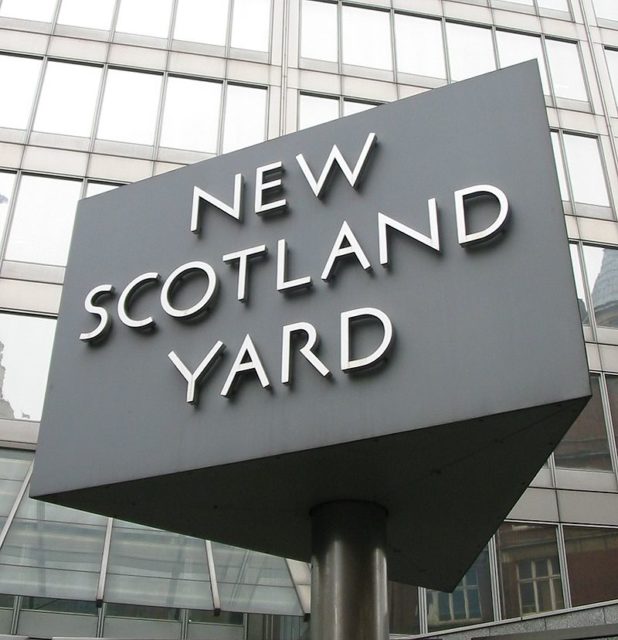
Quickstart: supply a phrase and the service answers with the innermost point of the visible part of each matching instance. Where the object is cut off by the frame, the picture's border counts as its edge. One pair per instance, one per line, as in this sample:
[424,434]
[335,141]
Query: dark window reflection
[592,558]
[470,602]
[612,392]
[585,445]
[529,569]
[402,608]
[602,273]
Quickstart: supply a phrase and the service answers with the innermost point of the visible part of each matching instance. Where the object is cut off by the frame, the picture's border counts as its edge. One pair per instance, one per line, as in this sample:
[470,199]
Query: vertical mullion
[494,574]
[104,562]
[214,585]
[564,569]
[18,499]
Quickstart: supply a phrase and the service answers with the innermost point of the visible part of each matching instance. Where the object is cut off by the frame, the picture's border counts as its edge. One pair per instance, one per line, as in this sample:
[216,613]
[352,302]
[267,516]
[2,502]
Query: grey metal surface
[465,395]
[348,581]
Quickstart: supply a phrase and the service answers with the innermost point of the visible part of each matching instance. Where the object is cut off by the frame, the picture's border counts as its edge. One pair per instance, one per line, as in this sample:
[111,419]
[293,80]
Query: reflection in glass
[43,221]
[529,569]
[612,64]
[7,182]
[314,110]
[579,285]
[402,608]
[251,24]
[564,190]
[585,445]
[470,50]
[601,265]
[515,47]
[352,106]
[586,170]
[469,603]
[144,17]
[68,99]
[420,49]
[13,464]
[612,392]
[129,110]
[19,79]
[191,115]
[198,21]
[607,9]
[366,38]
[26,343]
[565,69]
[42,10]
[96,15]
[592,558]
[245,117]
[318,36]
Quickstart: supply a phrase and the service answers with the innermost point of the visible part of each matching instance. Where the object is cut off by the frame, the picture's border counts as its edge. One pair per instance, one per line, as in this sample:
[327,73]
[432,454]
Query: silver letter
[282,283]
[463,236]
[338,251]
[373,358]
[253,364]
[384,222]
[260,187]
[306,349]
[335,157]
[197,376]
[127,295]
[105,323]
[199,194]
[242,257]
[176,275]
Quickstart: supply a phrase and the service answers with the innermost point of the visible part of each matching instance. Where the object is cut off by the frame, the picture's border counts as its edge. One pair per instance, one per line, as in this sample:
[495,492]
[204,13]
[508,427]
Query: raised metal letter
[200,194]
[339,251]
[282,283]
[193,379]
[306,349]
[175,276]
[348,365]
[463,236]
[105,323]
[247,349]
[260,187]
[242,256]
[128,294]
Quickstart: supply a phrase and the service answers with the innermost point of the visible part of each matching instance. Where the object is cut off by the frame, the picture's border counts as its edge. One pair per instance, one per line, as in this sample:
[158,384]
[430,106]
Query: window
[470,49]
[42,10]
[144,17]
[420,50]
[607,9]
[43,220]
[350,107]
[585,445]
[251,24]
[130,105]
[7,182]
[68,99]
[585,170]
[557,5]
[530,575]
[515,47]
[94,188]
[191,115]
[365,38]
[96,15]
[601,264]
[19,79]
[245,117]
[562,179]
[318,38]
[25,351]
[566,71]
[402,608]
[579,285]
[612,63]
[315,110]
[198,21]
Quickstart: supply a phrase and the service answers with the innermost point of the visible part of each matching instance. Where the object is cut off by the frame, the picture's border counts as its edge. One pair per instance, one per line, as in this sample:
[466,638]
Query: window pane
[585,445]
[13,468]
[251,24]
[245,117]
[470,51]
[25,343]
[198,21]
[592,558]
[19,79]
[68,99]
[7,182]
[191,115]
[559,5]
[146,17]
[96,15]
[469,603]
[523,591]
[607,9]
[352,106]
[601,264]
[42,10]
[403,608]
[43,222]
[514,48]
[566,71]
[564,190]
[318,38]
[129,110]
[420,49]
[583,160]
[612,64]
[579,285]
[94,188]
[316,110]
[612,392]
[366,38]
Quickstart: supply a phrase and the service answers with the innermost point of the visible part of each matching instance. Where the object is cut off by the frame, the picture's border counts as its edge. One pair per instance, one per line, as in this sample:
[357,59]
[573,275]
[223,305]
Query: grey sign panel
[402,328]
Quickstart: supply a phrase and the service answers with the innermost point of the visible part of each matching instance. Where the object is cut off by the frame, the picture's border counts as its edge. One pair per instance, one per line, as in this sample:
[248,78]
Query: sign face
[380,308]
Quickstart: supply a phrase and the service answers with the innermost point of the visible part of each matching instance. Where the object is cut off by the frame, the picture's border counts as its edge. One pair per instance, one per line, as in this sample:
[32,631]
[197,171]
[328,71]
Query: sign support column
[348,582]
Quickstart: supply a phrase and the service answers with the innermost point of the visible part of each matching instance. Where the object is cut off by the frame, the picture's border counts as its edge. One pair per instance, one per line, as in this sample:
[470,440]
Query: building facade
[102,93]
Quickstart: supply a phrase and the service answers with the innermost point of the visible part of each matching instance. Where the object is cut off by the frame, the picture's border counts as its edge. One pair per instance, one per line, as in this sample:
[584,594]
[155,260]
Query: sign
[380,308]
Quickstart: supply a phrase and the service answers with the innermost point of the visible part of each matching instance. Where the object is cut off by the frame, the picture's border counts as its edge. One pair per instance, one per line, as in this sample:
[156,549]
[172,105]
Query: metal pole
[348,582]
